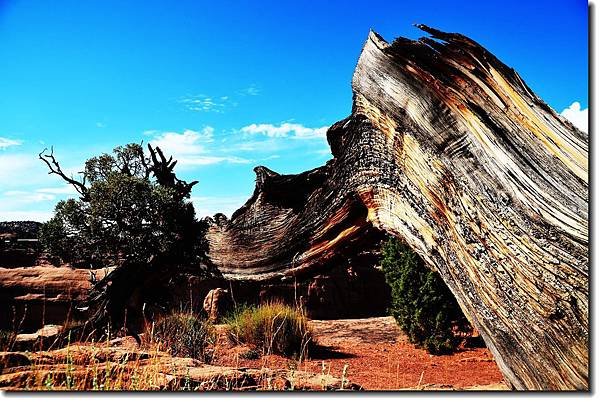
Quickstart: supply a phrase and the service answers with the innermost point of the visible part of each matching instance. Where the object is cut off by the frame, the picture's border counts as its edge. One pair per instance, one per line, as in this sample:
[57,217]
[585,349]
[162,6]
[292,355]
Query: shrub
[272,328]
[185,335]
[421,302]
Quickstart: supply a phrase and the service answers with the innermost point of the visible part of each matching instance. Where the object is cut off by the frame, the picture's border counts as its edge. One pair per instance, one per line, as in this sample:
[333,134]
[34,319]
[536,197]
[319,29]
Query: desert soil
[379,356]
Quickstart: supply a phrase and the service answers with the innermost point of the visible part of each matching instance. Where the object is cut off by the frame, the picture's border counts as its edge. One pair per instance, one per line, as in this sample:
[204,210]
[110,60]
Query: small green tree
[421,302]
[134,213]
[123,214]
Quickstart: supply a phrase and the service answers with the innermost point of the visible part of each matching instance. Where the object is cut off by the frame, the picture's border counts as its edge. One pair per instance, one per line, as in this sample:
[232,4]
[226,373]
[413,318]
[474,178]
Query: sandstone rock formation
[448,149]
[216,303]
[34,296]
[44,338]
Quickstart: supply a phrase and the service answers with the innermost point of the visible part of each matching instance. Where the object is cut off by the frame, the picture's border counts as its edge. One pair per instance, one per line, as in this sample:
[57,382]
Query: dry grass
[7,339]
[273,328]
[184,335]
[94,367]
[172,357]
[100,366]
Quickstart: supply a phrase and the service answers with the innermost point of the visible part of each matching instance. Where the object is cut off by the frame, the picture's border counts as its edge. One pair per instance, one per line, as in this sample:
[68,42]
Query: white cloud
[7,142]
[66,189]
[577,116]
[22,197]
[287,130]
[187,143]
[203,103]
[323,152]
[25,197]
[19,168]
[193,148]
[212,160]
[27,191]
[268,145]
[208,206]
[217,104]
[25,215]
[252,90]
[25,205]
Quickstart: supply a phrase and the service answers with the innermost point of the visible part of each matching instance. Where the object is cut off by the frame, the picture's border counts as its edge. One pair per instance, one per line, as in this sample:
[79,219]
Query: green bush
[272,328]
[421,302]
[184,335]
[131,206]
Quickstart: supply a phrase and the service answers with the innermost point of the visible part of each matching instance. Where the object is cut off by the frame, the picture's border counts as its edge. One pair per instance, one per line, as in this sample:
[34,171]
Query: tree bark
[448,149]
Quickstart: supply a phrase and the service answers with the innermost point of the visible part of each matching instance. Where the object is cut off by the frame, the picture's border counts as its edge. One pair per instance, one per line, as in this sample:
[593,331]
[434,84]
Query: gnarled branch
[55,168]
[162,168]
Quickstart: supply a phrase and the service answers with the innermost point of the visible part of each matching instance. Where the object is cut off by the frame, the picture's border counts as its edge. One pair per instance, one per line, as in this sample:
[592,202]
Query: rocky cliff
[448,149]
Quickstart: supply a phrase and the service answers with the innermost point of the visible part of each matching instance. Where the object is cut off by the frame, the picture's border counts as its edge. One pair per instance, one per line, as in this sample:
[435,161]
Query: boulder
[217,303]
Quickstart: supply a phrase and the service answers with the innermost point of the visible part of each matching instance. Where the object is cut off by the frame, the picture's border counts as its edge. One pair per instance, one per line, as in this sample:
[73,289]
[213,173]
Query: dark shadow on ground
[317,352]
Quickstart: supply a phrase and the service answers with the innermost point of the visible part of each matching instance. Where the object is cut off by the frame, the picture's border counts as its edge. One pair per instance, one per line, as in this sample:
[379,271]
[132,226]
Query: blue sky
[226,86]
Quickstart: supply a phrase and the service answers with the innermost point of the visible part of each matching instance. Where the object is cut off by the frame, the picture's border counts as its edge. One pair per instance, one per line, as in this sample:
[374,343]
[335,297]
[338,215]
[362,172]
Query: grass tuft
[184,335]
[273,328]
[7,340]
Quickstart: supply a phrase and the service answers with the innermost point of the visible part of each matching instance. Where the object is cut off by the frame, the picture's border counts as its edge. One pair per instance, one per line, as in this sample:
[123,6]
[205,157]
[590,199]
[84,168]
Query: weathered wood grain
[448,149]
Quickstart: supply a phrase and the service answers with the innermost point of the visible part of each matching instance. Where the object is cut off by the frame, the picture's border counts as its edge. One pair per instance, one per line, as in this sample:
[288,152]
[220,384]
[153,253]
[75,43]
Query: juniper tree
[421,302]
[135,214]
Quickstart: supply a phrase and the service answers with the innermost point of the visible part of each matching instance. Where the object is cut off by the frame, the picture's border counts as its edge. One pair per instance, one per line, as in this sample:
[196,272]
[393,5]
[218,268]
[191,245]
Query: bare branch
[162,168]
[55,168]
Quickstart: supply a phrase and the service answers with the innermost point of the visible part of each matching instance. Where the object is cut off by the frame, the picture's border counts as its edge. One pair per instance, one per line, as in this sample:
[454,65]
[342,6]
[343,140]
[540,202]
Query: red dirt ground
[380,357]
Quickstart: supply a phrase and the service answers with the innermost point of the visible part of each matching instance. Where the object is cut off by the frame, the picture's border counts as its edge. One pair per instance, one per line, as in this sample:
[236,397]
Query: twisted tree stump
[448,149]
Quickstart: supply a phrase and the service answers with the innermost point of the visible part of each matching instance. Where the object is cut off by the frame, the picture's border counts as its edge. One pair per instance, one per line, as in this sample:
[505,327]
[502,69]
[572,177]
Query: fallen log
[448,149]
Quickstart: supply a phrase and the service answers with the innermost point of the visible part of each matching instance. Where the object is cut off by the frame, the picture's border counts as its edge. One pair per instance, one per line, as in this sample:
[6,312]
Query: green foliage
[125,213]
[251,354]
[421,302]
[274,328]
[185,335]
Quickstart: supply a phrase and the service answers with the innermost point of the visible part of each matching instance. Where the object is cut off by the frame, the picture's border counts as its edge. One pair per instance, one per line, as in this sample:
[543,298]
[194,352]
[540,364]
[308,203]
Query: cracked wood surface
[448,149]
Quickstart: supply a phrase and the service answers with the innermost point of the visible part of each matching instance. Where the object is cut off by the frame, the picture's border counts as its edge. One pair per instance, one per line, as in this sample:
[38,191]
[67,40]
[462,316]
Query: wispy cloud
[260,141]
[194,148]
[25,197]
[212,160]
[203,103]
[577,116]
[13,166]
[217,104]
[67,189]
[23,171]
[30,205]
[252,90]
[286,130]
[7,142]
[39,195]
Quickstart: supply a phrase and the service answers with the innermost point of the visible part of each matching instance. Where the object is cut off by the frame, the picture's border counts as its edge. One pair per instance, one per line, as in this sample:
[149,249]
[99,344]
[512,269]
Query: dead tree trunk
[448,149]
